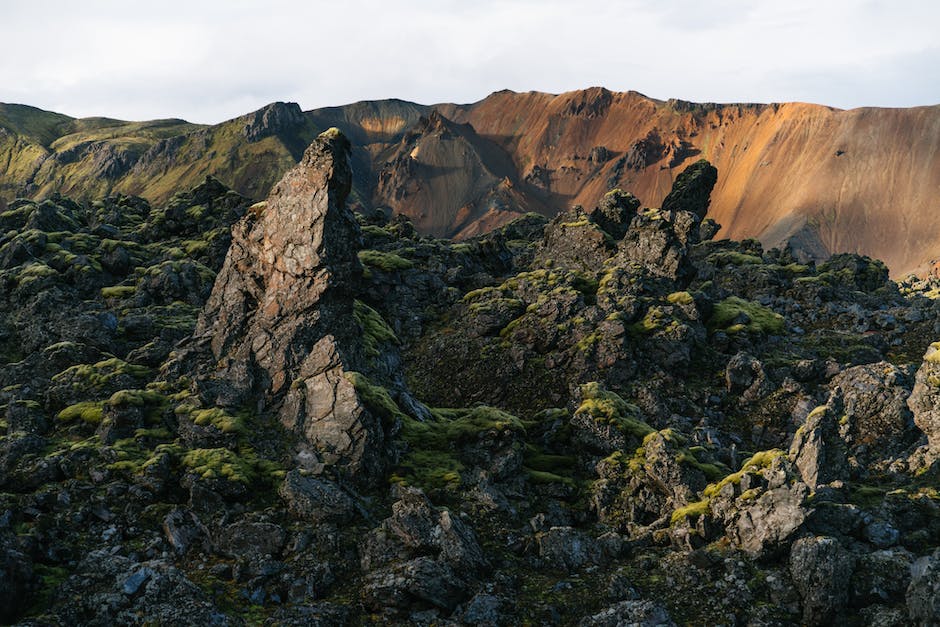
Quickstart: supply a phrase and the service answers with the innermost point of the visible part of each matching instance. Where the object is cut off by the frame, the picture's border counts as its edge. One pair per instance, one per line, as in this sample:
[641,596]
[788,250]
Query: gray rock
[485,609]
[565,548]
[881,616]
[26,417]
[745,376]
[818,449]
[881,577]
[421,553]
[16,584]
[315,499]
[630,614]
[821,569]
[423,579]
[923,594]
[416,527]
[692,189]
[874,411]
[771,520]
[251,539]
[278,319]
[183,530]
[133,583]
[881,533]
[924,401]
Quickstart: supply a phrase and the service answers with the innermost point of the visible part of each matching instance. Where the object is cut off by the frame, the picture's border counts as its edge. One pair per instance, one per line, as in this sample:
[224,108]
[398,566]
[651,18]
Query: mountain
[85,158]
[215,411]
[818,179]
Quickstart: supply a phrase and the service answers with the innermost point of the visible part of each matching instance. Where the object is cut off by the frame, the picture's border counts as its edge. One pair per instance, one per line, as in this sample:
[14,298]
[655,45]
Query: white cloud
[207,61]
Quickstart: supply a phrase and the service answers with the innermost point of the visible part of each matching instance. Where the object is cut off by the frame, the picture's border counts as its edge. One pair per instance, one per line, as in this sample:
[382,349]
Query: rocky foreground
[217,412]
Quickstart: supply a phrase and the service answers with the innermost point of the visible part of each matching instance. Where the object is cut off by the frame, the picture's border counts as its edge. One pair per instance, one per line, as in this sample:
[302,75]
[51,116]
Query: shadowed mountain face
[815,178]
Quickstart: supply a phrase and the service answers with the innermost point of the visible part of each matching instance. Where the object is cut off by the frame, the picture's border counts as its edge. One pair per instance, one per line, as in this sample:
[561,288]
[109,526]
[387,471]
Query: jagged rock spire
[280,323]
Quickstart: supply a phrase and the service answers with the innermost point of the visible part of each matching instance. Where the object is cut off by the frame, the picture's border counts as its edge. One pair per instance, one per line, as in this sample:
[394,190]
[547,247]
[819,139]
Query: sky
[208,61]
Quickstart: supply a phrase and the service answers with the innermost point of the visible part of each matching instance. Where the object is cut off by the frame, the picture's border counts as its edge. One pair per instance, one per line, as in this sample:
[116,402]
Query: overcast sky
[210,61]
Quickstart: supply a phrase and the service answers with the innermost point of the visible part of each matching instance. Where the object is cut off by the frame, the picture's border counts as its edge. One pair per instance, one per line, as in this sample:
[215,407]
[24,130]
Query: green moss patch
[387,262]
[375,331]
[89,412]
[760,319]
[608,407]
[376,398]
[100,374]
[118,291]
[692,510]
[755,463]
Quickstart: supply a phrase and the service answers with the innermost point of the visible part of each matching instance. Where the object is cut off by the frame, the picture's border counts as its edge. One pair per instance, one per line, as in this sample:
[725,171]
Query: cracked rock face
[279,322]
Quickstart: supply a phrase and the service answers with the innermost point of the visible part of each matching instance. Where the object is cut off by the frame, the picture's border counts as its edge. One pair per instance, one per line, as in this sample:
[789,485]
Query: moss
[482,293]
[867,496]
[194,247]
[577,224]
[387,262]
[680,298]
[756,463]
[375,331]
[49,579]
[429,469]
[137,398]
[432,461]
[376,398]
[761,319]
[654,320]
[118,291]
[218,463]
[543,477]
[461,249]
[100,374]
[692,510]
[536,459]
[87,411]
[587,286]
[34,271]
[712,472]
[933,354]
[215,416]
[610,408]
[732,258]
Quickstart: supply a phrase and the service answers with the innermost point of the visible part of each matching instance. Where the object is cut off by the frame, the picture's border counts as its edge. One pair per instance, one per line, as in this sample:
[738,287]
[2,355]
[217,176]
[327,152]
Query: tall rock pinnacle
[280,322]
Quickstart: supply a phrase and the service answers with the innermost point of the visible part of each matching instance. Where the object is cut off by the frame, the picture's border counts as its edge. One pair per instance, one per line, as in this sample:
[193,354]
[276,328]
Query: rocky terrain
[216,411]
[812,178]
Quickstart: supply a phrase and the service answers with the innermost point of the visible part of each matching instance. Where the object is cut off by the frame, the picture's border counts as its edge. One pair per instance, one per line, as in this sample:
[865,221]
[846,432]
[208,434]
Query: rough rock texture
[16,583]
[600,432]
[634,613]
[420,553]
[923,594]
[924,401]
[876,422]
[818,449]
[821,569]
[692,189]
[567,549]
[279,320]
[745,376]
[316,499]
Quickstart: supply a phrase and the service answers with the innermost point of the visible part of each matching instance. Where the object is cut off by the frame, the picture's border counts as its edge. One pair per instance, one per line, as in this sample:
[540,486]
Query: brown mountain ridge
[818,179]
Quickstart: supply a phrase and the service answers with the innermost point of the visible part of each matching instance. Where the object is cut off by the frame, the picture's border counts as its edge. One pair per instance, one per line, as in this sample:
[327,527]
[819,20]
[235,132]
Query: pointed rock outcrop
[280,323]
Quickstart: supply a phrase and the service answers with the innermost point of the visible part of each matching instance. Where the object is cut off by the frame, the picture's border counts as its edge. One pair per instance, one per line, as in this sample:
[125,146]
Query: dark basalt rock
[692,189]
[623,412]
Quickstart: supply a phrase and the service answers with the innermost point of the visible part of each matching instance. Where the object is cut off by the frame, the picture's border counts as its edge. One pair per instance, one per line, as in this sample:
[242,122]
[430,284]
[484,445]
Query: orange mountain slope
[818,179]
[864,180]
